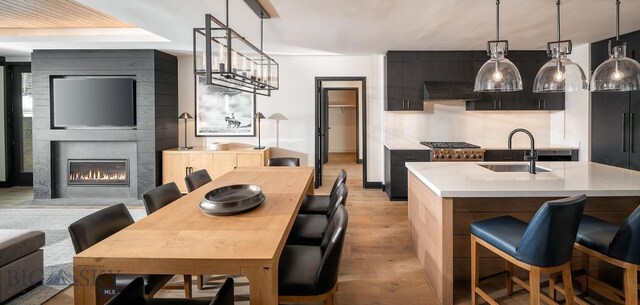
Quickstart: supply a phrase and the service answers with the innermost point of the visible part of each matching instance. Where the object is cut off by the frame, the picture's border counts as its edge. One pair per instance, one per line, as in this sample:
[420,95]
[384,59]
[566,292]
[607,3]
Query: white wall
[448,121]
[572,126]
[296,100]
[3,157]
[342,121]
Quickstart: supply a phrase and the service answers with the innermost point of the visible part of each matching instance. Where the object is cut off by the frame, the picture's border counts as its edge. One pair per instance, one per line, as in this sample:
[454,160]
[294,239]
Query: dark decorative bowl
[232,199]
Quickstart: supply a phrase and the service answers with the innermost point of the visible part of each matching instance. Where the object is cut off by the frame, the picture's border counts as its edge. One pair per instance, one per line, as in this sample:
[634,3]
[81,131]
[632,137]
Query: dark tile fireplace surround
[104,163]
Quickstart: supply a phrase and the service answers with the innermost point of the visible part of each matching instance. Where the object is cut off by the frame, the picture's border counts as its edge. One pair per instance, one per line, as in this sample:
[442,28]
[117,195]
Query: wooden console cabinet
[176,164]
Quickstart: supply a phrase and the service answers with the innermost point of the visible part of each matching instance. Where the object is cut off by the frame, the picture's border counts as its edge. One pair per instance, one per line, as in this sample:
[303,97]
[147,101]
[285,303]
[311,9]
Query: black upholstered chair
[284,161]
[160,196]
[156,199]
[310,229]
[99,225]
[319,204]
[544,245]
[616,245]
[310,273]
[197,179]
[133,294]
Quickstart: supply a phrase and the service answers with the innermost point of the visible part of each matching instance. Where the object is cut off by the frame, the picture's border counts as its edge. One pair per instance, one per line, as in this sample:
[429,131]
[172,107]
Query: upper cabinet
[404,83]
[407,71]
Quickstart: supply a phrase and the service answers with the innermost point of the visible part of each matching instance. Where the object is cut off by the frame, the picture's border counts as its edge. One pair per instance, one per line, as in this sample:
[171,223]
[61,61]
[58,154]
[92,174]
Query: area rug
[58,250]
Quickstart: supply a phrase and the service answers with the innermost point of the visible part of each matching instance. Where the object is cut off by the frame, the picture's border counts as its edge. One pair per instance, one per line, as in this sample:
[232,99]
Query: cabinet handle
[544,104]
[190,170]
[495,105]
[631,131]
[402,104]
[186,171]
[539,104]
[409,104]
[499,104]
[409,158]
[624,132]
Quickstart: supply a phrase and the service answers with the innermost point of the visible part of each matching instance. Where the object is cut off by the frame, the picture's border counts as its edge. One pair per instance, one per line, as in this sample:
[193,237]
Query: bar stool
[616,245]
[544,245]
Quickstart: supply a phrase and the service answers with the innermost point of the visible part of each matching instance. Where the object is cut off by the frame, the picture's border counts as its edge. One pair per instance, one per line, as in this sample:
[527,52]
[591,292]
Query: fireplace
[98,172]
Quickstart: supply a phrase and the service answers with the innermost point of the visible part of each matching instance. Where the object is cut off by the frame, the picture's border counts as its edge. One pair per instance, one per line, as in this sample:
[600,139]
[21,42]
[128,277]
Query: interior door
[609,128]
[20,114]
[324,126]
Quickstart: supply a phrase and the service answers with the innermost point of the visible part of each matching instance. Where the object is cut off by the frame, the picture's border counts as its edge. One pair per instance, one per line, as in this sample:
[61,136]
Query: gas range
[454,151]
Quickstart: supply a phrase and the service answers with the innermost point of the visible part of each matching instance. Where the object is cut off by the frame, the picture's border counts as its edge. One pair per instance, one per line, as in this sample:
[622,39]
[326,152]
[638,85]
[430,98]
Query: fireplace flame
[97,176]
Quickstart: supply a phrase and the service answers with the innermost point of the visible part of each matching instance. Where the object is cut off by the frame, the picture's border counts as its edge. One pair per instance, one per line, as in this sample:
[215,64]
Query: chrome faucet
[533,155]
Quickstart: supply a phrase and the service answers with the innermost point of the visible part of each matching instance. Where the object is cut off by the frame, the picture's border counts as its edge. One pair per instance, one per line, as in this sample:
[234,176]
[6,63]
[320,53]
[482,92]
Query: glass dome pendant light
[560,74]
[498,73]
[619,72]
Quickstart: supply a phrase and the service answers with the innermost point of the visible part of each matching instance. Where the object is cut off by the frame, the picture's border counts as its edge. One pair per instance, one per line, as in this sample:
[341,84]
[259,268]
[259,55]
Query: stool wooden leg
[631,285]
[568,284]
[188,286]
[509,278]
[475,269]
[585,266]
[552,285]
[534,286]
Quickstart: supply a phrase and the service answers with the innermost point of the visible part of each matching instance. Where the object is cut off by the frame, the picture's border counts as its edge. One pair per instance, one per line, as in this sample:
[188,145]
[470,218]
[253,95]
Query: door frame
[317,131]
[7,146]
[13,140]
[325,93]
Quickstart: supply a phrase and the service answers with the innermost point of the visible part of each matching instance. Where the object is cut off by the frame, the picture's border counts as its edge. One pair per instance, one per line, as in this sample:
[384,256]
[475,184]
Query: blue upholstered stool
[542,246]
[616,245]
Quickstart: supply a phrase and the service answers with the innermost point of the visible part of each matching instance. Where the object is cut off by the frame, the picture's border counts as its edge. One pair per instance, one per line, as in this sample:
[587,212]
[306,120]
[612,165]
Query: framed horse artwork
[223,112]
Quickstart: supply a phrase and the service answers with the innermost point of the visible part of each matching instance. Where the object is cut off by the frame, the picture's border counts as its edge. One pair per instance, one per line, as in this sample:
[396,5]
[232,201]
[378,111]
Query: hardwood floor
[14,196]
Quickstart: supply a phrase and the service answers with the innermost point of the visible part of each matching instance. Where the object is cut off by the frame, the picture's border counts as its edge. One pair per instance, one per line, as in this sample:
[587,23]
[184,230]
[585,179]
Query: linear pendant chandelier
[224,58]
[560,74]
[619,72]
[498,73]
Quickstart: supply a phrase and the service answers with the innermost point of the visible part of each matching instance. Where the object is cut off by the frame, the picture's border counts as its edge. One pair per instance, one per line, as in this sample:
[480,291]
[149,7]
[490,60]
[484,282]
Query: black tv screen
[93,102]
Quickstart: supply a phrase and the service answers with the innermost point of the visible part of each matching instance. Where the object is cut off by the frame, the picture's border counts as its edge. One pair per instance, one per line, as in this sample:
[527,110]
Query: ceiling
[355,27]
[52,14]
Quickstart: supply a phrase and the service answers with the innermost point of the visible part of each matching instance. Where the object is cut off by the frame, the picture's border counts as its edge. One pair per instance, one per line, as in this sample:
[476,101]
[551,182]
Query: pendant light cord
[617,20]
[261,31]
[558,9]
[497,19]
[227,9]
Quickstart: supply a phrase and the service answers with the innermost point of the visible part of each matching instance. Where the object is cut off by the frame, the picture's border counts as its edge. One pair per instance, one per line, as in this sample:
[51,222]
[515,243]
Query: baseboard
[5,184]
[373,185]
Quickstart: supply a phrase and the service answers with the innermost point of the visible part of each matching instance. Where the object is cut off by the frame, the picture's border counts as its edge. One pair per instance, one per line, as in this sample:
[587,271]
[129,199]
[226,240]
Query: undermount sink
[513,168]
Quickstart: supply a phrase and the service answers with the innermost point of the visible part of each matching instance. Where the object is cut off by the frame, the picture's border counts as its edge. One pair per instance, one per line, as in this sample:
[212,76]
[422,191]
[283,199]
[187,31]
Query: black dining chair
[133,294]
[310,273]
[156,199]
[284,161]
[544,245]
[616,245]
[160,196]
[319,204]
[197,179]
[310,229]
[99,225]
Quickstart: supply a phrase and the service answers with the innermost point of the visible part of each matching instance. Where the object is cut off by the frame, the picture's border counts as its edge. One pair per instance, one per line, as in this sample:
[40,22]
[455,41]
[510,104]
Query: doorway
[340,123]
[19,123]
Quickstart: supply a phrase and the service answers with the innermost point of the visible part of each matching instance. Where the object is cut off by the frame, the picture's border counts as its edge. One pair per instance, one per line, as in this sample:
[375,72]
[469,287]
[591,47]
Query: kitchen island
[446,197]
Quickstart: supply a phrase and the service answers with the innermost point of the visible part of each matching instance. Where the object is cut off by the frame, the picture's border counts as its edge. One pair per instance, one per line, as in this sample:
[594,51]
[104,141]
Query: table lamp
[185,116]
[278,117]
[258,117]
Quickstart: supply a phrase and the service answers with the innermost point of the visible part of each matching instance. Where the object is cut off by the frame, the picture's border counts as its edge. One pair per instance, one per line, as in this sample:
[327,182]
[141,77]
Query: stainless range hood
[450,91]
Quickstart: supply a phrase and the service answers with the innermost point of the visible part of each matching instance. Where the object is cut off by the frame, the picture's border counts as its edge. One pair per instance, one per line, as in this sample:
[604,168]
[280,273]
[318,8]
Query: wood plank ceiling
[53,14]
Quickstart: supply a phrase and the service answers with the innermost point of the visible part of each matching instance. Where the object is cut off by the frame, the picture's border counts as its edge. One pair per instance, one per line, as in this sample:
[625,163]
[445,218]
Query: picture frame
[223,112]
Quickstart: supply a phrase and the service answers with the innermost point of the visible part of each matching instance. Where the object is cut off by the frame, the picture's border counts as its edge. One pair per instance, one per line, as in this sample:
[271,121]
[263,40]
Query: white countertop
[404,145]
[468,179]
[407,145]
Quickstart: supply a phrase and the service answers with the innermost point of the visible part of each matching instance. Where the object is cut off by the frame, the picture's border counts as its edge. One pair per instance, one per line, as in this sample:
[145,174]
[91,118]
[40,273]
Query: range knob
[479,156]
[457,156]
[448,156]
[466,157]
[473,156]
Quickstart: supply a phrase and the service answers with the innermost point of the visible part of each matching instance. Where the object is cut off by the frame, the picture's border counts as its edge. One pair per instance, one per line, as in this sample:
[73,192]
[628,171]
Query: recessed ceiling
[357,27]
[53,14]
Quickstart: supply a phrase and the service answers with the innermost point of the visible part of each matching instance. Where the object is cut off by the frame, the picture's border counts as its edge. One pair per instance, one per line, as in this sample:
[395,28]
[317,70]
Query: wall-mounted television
[93,102]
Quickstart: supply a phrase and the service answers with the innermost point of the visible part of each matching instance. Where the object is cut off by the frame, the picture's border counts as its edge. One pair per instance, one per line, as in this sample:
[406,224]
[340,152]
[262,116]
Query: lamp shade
[278,116]
[259,115]
[498,74]
[560,74]
[618,73]
[185,116]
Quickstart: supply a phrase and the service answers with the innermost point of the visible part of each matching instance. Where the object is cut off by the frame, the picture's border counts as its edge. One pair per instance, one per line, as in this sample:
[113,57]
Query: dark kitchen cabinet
[610,128]
[634,128]
[396,173]
[404,86]
[495,101]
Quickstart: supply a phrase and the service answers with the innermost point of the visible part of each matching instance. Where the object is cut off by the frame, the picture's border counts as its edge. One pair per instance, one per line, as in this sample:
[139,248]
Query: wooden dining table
[180,239]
